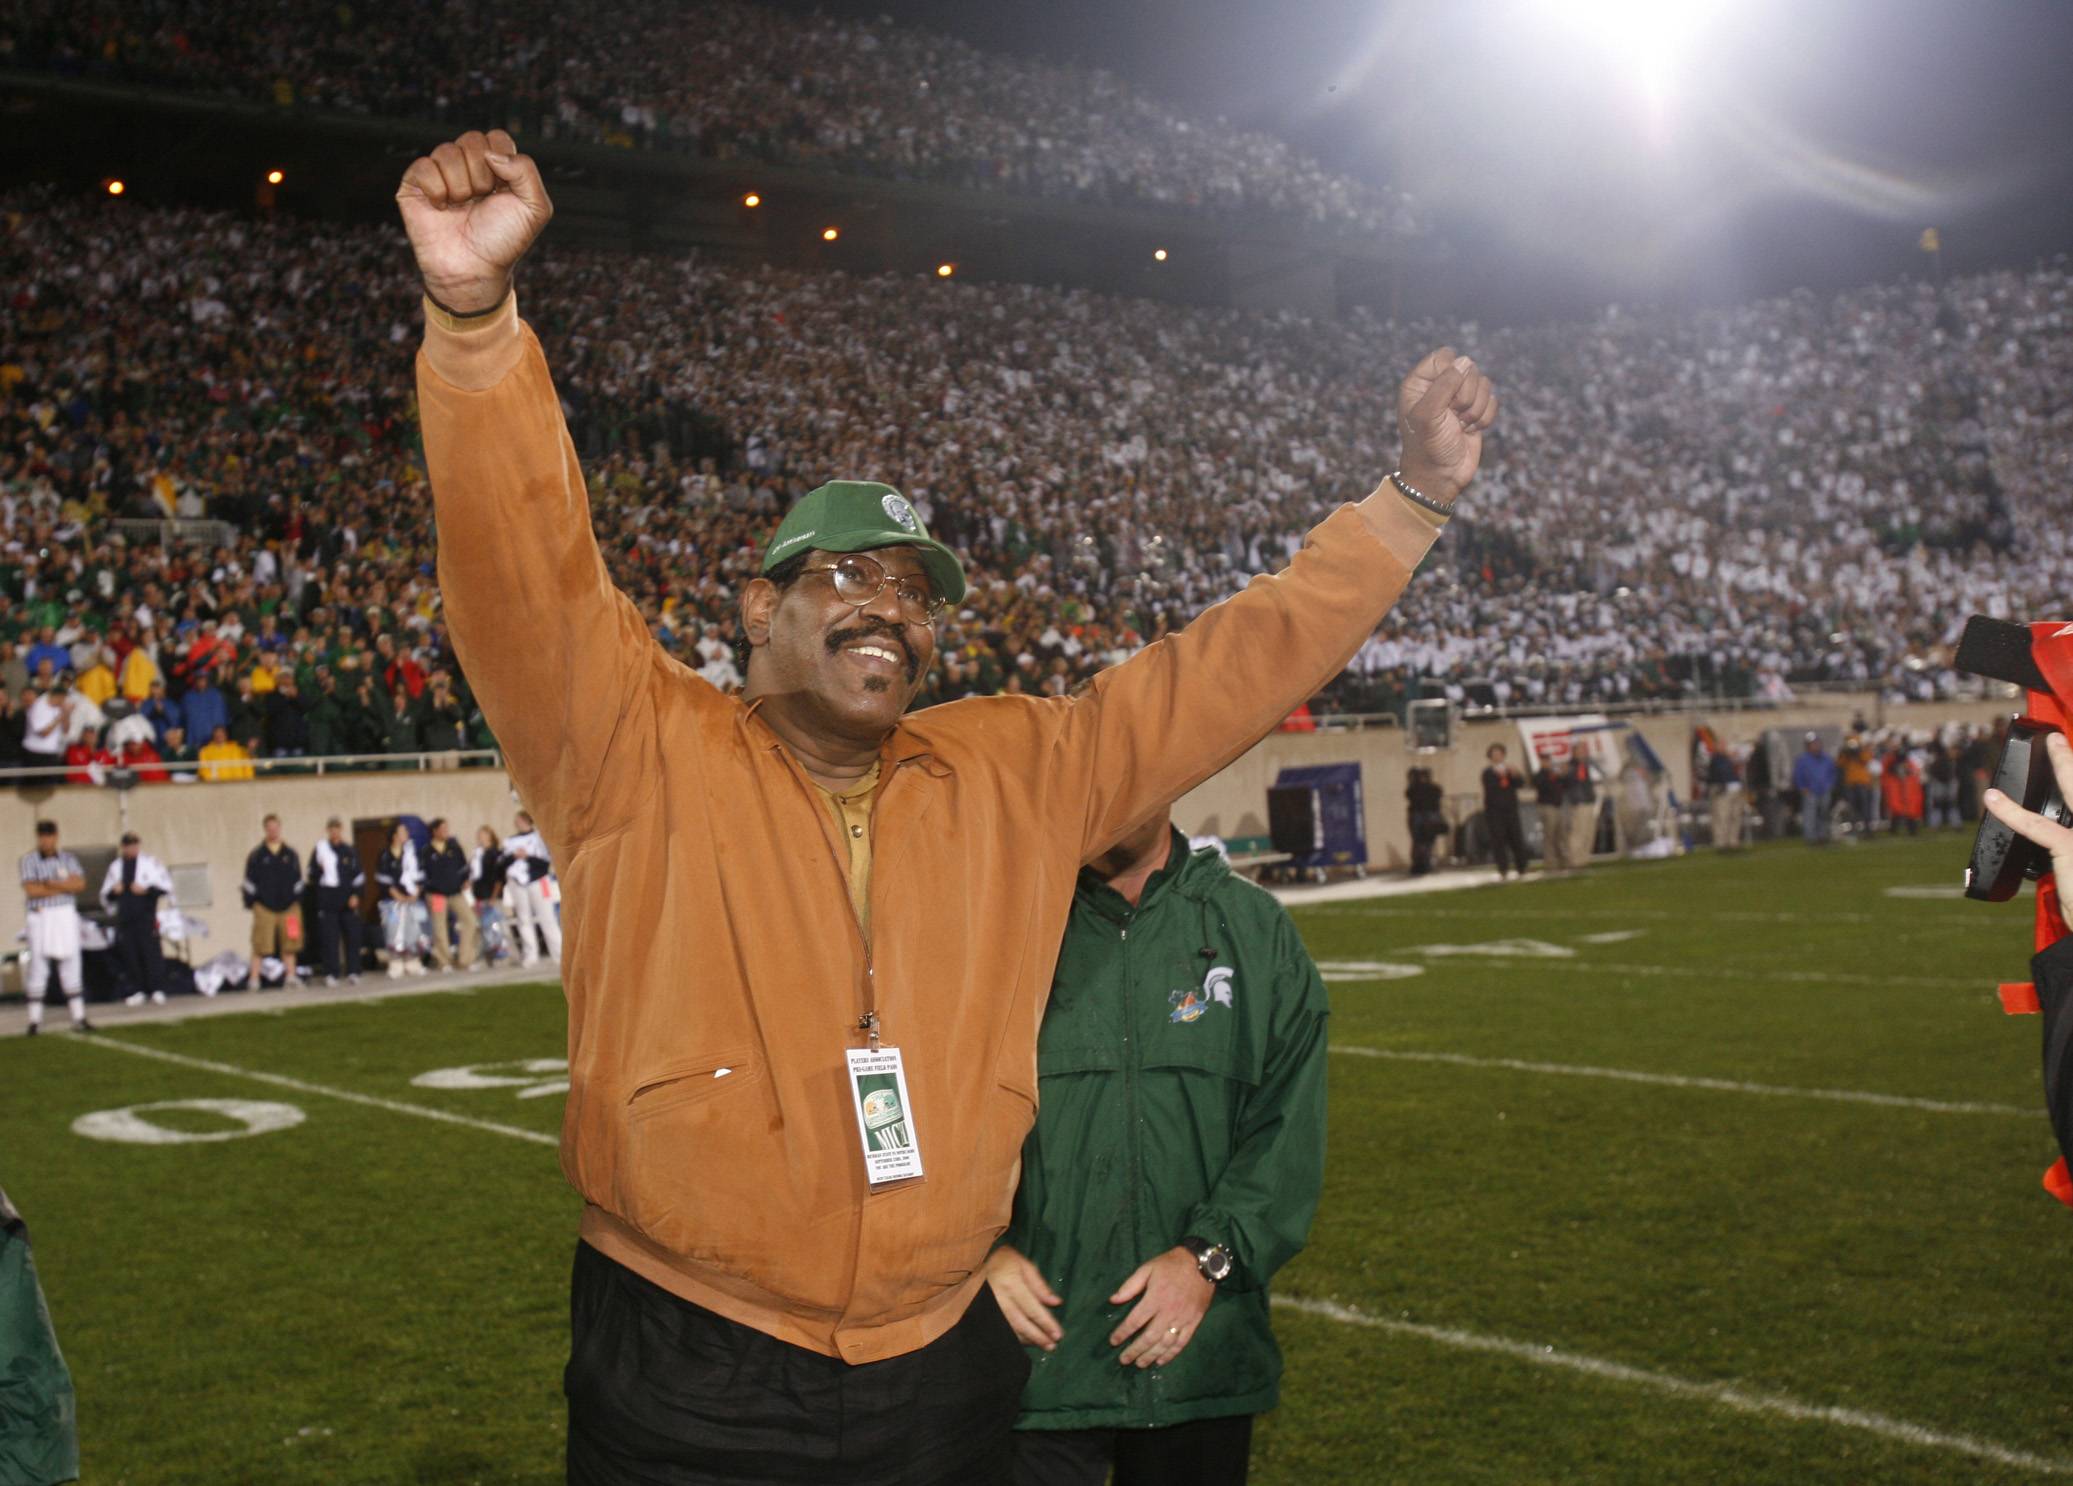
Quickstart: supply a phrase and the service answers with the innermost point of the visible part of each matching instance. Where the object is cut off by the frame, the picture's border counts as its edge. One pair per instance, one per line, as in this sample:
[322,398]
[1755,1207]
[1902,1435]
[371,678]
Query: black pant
[666,1393]
[136,950]
[1507,839]
[335,921]
[1208,1452]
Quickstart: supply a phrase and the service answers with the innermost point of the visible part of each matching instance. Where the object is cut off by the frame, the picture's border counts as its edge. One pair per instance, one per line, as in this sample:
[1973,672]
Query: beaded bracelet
[1418,497]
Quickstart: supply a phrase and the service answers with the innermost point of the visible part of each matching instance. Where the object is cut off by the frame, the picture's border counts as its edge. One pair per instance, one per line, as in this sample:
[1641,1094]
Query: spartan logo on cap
[901,513]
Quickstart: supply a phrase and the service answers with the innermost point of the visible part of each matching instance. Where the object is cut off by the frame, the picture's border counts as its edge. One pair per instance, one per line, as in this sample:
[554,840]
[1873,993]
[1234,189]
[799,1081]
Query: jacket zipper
[1134,1381]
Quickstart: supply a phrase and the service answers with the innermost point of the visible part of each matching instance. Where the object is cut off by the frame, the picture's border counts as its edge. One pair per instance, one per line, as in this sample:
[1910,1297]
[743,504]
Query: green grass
[369,1297]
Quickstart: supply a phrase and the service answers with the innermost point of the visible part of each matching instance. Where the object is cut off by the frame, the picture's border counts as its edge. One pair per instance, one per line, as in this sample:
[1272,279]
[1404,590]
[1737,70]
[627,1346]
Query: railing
[206,771]
[1871,702]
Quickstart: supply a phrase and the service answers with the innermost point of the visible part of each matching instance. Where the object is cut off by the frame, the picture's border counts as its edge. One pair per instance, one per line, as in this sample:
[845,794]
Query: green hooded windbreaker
[1181,1081]
[39,1443]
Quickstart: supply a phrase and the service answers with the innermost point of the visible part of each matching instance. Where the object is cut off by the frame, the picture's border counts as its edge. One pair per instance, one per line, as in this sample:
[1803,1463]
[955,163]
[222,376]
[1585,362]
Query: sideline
[1686,1081]
[1723,1395]
[14,1018]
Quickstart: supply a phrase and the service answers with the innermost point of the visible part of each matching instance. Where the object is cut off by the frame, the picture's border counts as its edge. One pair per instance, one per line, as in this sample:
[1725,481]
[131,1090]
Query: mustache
[881,632]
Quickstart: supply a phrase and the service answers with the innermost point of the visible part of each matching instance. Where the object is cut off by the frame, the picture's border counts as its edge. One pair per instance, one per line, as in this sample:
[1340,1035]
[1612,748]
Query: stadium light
[116,188]
[1648,39]
[829,234]
[1159,254]
[945,270]
[752,200]
[275,177]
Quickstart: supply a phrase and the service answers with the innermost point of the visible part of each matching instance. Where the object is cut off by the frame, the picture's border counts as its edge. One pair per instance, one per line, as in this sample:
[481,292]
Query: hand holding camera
[2047,827]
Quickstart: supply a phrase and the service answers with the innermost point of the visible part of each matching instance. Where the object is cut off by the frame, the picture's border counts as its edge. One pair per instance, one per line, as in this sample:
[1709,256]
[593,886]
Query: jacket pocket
[1222,1050]
[695,1170]
[944,1249]
[691,1082]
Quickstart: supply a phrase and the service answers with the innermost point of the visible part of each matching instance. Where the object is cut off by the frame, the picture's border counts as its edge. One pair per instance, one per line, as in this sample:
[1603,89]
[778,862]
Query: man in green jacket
[1174,1167]
[39,1440]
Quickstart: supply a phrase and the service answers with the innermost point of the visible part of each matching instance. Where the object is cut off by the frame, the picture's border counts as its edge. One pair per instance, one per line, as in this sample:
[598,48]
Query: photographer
[2052,968]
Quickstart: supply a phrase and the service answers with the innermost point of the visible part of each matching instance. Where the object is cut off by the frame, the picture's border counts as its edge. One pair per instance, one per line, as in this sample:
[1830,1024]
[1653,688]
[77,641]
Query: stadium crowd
[723,80]
[1797,492]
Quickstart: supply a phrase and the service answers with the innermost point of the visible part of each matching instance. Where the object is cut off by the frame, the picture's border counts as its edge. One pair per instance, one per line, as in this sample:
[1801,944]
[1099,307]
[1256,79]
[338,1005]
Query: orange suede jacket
[706,915]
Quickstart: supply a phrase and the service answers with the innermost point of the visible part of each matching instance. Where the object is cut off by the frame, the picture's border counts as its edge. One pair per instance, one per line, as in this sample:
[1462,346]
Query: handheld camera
[2001,860]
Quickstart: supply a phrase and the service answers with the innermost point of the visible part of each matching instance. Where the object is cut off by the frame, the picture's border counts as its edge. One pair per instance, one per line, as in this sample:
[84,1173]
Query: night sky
[1780,145]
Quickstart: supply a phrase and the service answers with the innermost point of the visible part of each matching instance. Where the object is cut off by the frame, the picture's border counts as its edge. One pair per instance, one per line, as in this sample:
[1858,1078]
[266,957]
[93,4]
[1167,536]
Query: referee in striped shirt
[50,878]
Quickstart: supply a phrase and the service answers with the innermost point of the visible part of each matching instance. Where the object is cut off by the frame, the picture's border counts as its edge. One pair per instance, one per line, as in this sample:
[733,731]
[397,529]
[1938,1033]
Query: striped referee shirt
[36,867]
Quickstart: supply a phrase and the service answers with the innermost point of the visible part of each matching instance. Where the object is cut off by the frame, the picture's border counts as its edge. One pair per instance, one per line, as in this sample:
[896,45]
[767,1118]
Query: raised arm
[1153,728]
[560,660]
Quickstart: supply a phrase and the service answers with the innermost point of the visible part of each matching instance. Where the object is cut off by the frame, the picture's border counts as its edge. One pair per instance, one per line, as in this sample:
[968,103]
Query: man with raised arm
[808,938]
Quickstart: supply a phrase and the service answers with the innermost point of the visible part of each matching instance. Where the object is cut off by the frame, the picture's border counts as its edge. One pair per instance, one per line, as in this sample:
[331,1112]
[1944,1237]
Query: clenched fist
[1442,409]
[472,207]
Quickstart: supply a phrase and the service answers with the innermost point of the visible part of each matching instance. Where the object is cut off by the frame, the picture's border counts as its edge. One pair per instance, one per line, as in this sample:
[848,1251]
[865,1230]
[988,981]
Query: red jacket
[1902,788]
[146,761]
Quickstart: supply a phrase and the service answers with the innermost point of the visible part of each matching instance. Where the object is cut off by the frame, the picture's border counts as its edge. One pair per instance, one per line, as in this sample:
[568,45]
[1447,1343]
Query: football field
[1711,1170]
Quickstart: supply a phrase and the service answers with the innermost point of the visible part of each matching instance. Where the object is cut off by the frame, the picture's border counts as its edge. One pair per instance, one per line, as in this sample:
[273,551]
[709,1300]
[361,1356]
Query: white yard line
[1465,957]
[1680,915]
[1684,1081]
[1721,1395]
[303,1086]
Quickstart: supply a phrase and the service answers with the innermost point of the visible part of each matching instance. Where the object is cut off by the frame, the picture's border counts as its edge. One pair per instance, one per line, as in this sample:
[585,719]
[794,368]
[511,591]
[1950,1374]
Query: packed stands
[1800,491]
[723,80]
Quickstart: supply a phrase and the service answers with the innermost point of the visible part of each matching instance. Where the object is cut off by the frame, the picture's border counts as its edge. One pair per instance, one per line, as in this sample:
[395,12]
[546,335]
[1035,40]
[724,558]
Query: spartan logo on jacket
[1189,1004]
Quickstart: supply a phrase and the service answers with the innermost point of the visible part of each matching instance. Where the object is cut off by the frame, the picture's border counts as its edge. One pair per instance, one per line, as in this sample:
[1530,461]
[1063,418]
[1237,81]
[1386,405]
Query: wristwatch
[1213,1259]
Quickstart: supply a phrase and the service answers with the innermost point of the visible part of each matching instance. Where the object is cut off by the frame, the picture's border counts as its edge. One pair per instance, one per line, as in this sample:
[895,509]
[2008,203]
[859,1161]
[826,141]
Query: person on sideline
[529,889]
[1501,784]
[1175,1165]
[337,880]
[1725,798]
[803,1300]
[446,892]
[51,877]
[1579,809]
[1814,775]
[488,869]
[401,882]
[132,890]
[272,890]
[1548,790]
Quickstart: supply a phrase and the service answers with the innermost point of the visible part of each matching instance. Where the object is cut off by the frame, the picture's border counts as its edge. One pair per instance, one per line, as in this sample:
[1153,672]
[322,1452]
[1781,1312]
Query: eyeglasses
[859,579]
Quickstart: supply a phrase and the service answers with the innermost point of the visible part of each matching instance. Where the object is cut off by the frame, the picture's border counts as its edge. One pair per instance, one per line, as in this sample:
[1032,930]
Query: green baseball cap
[856,516]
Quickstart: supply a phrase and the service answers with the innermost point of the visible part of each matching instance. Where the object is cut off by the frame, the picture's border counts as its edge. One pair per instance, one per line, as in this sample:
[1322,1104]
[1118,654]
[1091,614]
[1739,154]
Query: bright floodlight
[1159,254]
[1649,38]
[829,234]
[116,188]
[752,199]
[945,270]
[274,177]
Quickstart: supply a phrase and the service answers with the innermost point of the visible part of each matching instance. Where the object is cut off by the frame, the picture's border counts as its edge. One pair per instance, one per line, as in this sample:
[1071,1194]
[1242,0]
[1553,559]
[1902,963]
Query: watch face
[1216,1262]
